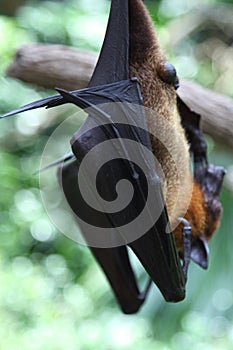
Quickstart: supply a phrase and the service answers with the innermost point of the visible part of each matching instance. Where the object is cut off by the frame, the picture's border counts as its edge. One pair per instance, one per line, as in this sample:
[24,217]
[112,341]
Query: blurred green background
[52,293]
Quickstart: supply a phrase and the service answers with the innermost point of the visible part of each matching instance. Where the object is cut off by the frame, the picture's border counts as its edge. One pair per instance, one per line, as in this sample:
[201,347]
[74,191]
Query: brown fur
[183,197]
[146,62]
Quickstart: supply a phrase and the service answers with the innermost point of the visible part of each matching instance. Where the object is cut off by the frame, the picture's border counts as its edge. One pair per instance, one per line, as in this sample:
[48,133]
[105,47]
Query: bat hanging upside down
[132,69]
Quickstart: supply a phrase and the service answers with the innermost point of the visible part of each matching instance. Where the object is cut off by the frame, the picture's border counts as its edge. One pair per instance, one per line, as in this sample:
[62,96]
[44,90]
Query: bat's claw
[187,230]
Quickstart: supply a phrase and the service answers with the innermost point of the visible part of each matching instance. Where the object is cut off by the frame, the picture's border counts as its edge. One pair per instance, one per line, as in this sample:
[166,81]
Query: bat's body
[149,65]
[191,204]
[158,82]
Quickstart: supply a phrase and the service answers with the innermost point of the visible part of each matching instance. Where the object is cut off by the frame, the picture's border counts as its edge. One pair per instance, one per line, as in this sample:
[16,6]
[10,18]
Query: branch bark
[52,66]
[216,110]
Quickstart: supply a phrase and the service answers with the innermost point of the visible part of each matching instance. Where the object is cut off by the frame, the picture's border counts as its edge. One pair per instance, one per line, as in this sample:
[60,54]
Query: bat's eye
[167,73]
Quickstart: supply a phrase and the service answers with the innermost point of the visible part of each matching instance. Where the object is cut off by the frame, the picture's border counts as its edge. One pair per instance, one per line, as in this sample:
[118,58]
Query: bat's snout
[215,174]
[211,178]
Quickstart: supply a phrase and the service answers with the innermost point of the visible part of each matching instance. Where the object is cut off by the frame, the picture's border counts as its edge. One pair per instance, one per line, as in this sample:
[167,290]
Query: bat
[131,99]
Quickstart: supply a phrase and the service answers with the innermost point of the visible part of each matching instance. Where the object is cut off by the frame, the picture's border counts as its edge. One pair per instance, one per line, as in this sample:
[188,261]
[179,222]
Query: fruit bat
[132,97]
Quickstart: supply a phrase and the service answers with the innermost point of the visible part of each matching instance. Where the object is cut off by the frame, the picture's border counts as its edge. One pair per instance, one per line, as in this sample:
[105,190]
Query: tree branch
[216,110]
[52,66]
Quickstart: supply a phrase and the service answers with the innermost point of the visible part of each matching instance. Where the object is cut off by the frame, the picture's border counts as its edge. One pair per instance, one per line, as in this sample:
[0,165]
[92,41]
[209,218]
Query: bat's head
[210,180]
[204,212]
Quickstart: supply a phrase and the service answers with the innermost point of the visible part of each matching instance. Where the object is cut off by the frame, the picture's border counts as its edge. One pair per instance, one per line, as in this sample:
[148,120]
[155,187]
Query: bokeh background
[53,295]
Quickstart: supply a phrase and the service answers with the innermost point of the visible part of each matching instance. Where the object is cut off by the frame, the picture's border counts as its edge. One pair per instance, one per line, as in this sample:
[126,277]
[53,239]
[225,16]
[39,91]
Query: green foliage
[53,295]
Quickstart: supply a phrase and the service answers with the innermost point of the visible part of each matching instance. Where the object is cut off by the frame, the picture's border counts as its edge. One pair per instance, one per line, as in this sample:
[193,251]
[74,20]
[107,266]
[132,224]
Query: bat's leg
[186,245]
[191,122]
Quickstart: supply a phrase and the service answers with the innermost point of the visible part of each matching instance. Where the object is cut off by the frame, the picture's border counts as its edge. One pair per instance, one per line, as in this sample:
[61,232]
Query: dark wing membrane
[156,248]
[119,121]
[114,92]
[34,105]
[112,65]
[114,261]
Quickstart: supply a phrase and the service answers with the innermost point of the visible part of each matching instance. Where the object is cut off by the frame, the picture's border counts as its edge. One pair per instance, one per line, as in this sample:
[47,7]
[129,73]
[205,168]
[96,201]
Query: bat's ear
[200,252]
